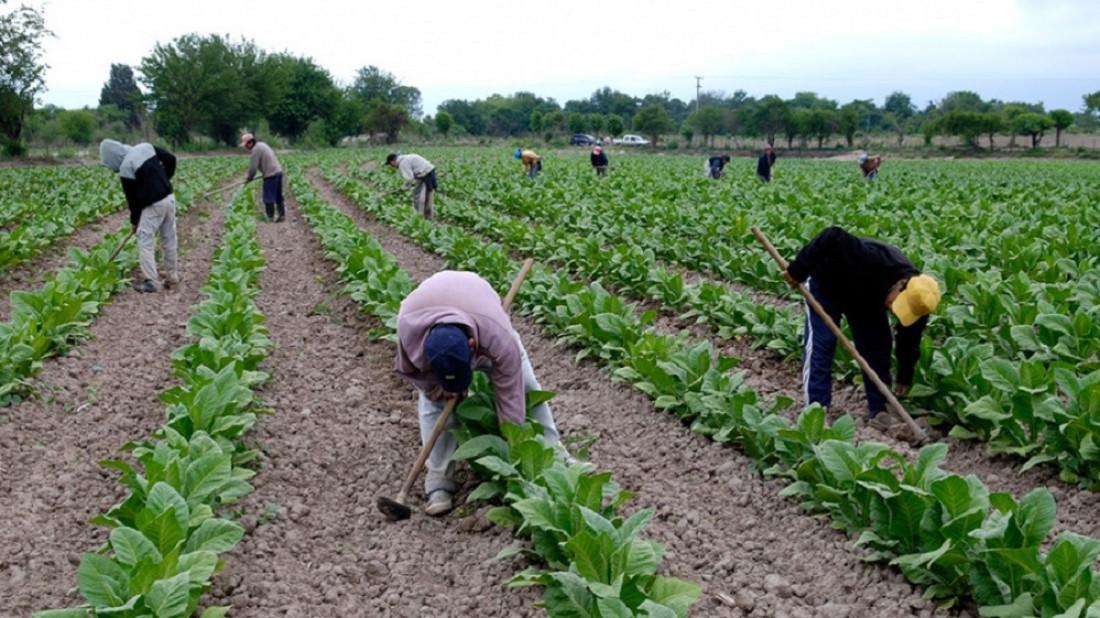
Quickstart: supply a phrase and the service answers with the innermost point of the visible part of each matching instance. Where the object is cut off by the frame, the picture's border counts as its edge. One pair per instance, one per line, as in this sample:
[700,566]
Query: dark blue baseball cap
[447,348]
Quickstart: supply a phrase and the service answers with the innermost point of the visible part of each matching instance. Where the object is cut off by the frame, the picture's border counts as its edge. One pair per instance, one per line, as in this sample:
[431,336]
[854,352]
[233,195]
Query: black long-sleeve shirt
[857,274]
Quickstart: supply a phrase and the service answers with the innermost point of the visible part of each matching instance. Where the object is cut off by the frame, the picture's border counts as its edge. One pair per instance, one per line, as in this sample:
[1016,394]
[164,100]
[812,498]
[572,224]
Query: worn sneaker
[440,502]
[171,280]
[885,421]
[145,286]
[280,218]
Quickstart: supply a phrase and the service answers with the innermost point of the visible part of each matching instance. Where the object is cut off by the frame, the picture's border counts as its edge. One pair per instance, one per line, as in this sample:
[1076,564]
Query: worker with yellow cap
[860,279]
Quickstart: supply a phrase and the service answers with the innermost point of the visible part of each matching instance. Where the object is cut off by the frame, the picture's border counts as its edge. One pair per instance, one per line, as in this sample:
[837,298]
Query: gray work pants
[158,218]
[440,468]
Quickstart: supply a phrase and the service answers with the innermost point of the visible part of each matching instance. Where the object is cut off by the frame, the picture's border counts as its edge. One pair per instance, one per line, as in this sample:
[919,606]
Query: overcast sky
[1014,50]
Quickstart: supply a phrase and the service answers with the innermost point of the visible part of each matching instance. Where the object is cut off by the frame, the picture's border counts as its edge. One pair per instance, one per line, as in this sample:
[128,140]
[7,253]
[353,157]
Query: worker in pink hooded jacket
[450,325]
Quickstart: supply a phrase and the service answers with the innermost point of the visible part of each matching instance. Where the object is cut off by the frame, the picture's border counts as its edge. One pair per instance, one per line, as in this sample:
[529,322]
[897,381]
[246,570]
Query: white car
[632,140]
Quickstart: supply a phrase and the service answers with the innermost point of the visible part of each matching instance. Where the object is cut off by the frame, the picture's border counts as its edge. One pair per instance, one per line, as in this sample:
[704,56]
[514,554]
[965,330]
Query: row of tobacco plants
[594,561]
[944,531]
[1017,339]
[166,536]
[48,321]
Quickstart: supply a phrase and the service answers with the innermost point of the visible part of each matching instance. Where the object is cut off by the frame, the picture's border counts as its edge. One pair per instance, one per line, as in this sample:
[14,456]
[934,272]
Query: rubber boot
[270,210]
[282,213]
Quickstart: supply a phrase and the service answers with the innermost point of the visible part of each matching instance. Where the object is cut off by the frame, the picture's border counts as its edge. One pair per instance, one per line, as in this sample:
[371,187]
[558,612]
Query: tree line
[211,87]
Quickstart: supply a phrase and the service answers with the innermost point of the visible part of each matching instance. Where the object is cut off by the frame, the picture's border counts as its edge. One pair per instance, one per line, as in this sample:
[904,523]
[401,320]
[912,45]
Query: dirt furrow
[103,394]
[722,524]
[343,431]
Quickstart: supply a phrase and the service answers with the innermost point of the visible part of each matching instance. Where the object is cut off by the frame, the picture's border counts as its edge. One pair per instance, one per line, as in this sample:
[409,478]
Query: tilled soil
[89,403]
[343,431]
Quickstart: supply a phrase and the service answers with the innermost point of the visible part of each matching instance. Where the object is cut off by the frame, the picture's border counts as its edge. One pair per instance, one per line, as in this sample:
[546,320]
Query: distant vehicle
[582,139]
[632,140]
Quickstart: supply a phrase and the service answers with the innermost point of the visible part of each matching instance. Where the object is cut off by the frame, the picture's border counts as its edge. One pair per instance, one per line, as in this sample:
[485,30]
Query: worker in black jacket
[146,175]
[599,161]
[861,278]
[716,165]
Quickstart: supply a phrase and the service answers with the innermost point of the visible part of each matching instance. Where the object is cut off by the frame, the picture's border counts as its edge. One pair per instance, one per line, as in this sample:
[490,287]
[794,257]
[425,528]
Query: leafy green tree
[553,121]
[308,95]
[810,100]
[767,118]
[708,122]
[121,90]
[21,70]
[386,118]
[798,124]
[1032,124]
[536,123]
[607,101]
[900,105]
[373,83]
[966,125]
[348,119]
[847,122]
[1062,120]
[615,125]
[466,115]
[1092,103]
[208,85]
[962,101]
[688,132]
[823,123]
[993,122]
[653,121]
[77,125]
[596,123]
[578,123]
[443,123]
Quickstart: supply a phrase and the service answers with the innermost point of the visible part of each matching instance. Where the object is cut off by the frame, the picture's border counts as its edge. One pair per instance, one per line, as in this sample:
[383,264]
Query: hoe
[396,509]
[920,436]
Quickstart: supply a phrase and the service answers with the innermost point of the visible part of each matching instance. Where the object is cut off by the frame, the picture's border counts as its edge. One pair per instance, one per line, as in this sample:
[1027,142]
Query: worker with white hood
[146,175]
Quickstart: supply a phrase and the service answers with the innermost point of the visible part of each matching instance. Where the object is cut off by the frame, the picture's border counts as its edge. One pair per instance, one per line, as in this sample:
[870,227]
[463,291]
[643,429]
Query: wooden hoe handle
[453,403]
[820,311]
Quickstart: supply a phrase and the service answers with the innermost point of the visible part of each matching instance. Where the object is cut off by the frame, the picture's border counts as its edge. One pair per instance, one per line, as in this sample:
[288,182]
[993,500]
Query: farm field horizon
[664,330]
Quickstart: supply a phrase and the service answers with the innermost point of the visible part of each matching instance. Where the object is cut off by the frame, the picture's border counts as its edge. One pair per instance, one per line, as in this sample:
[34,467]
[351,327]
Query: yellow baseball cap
[920,297]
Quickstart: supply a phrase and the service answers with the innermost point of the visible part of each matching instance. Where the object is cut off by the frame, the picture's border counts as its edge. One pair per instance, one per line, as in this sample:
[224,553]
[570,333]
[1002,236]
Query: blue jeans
[873,340]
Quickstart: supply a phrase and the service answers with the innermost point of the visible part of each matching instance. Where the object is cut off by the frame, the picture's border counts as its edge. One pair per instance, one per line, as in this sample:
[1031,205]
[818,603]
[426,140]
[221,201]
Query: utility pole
[698,83]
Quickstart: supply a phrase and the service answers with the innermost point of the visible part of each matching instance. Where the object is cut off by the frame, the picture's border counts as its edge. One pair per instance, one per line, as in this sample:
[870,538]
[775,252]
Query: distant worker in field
[451,325]
[264,161]
[419,174]
[146,175]
[869,166]
[532,163]
[764,164]
[716,165]
[861,278]
[599,161]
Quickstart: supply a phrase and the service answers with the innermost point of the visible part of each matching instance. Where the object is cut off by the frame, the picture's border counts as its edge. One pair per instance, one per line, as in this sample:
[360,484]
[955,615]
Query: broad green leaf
[131,546]
[102,581]
[168,598]
[214,535]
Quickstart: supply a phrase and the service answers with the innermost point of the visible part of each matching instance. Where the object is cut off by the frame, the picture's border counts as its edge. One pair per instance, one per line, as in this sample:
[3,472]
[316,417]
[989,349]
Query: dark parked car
[582,139]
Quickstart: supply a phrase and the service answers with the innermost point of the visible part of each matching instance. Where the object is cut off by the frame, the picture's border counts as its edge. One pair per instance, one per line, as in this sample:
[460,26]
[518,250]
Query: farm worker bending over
[869,166]
[764,165]
[146,175]
[416,170]
[716,165]
[263,160]
[532,163]
[599,161]
[450,325]
[861,278]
